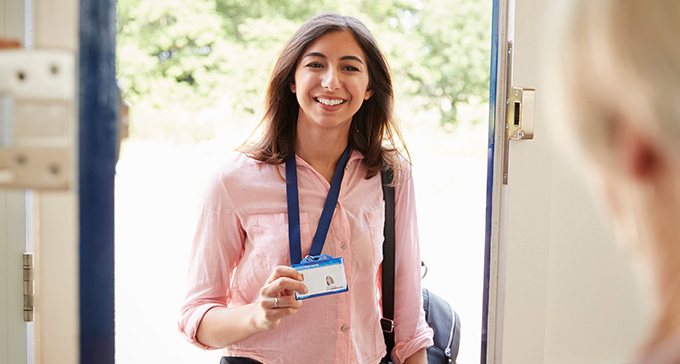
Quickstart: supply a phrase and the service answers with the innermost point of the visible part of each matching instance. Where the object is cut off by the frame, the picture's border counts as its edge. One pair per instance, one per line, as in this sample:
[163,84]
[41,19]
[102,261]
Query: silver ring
[276,302]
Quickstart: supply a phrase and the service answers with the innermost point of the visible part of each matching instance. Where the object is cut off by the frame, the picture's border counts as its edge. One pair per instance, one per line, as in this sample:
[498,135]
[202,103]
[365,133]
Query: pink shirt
[242,235]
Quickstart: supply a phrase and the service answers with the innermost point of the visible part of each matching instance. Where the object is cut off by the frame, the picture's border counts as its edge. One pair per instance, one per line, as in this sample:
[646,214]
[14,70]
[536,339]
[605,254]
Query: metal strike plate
[37,119]
[521,106]
[519,113]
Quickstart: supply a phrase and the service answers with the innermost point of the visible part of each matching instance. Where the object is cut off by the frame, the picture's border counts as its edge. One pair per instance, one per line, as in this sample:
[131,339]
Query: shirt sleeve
[411,332]
[216,249]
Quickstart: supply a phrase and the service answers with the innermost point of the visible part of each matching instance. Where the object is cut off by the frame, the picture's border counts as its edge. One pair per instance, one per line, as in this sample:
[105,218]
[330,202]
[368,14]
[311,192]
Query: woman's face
[331,82]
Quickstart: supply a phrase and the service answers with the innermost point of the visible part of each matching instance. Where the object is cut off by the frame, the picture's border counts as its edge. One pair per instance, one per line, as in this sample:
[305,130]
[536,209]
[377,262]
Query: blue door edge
[97,112]
[493,84]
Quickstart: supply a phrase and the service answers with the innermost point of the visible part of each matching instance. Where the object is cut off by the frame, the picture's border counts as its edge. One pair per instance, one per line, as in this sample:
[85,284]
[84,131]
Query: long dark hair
[373,130]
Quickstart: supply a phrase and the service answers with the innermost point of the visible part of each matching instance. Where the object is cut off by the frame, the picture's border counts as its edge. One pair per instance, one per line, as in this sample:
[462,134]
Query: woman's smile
[329,101]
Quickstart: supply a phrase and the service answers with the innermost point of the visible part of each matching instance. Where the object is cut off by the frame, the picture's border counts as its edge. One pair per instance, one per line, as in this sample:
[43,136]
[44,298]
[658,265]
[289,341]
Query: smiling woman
[311,59]
[329,116]
[331,84]
[181,131]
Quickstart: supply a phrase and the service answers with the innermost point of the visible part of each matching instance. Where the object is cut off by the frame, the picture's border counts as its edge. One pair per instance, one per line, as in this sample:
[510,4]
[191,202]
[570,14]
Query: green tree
[194,53]
[453,65]
[165,50]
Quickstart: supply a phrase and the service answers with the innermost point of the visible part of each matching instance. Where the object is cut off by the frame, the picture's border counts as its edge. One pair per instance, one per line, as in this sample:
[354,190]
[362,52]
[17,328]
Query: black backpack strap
[387,322]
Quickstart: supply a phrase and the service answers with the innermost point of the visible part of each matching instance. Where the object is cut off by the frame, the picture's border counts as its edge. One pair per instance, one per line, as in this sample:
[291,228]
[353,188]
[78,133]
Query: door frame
[13,230]
[493,290]
[98,111]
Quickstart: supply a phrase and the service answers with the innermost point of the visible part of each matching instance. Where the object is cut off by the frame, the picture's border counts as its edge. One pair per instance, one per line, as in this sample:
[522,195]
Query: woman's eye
[314,65]
[350,68]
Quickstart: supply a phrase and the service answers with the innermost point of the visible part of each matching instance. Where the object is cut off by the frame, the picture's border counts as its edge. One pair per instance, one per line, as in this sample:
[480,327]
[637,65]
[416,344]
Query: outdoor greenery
[198,54]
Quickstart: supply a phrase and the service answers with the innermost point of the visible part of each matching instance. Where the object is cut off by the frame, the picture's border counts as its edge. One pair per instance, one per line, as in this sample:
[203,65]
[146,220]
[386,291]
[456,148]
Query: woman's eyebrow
[321,55]
[352,58]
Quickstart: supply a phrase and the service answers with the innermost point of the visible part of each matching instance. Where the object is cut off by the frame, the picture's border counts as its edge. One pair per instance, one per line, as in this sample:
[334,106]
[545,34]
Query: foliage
[193,54]
[458,49]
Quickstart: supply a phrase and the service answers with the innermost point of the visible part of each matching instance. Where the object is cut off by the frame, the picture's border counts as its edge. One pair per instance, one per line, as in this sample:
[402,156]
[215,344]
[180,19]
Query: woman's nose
[330,80]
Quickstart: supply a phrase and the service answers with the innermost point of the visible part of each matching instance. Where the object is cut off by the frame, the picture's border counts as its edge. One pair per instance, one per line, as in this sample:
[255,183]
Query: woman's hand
[222,326]
[277,297]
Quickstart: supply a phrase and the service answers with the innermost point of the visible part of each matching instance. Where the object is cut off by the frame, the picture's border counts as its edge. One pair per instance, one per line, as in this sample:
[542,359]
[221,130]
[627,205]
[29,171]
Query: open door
[13,328]
[559,288]
[37,195]
[58,107]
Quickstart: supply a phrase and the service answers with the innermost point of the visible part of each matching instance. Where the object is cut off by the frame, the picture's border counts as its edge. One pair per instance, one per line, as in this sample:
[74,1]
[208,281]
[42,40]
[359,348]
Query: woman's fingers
[282,286]
[283,271]
[277,297]
[283,280]
[286,302]
[273,309]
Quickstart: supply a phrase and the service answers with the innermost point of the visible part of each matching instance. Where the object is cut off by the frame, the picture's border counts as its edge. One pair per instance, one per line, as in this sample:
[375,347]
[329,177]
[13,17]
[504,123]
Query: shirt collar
[353,155]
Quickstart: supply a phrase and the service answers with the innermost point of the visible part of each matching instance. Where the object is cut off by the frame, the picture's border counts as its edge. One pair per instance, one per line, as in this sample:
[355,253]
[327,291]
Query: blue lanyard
[294,209]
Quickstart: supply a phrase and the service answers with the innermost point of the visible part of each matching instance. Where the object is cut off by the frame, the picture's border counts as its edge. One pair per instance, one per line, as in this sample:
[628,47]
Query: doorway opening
[194,75]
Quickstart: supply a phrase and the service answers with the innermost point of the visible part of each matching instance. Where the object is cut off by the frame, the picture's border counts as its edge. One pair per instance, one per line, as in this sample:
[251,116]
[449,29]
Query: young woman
[617,87]
[329,113]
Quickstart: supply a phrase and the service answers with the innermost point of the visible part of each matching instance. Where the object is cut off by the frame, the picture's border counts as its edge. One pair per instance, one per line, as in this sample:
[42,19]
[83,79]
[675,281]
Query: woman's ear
[368,94]
[637,155]
[292,87]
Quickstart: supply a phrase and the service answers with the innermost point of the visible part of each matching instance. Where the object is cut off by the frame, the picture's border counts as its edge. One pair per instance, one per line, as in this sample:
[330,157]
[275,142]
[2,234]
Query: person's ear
[639,158]
[368,94]
[292,87]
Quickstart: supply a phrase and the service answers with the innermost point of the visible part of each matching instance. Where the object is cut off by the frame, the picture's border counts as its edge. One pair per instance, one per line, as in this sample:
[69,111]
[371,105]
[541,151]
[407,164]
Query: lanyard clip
[316,259]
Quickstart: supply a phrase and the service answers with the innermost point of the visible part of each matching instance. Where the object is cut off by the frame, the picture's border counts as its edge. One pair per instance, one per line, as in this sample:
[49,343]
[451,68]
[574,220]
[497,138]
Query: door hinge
[29,288]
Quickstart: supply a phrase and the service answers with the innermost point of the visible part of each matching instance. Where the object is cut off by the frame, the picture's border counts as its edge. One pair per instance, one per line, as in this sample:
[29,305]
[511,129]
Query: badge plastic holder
[323,275]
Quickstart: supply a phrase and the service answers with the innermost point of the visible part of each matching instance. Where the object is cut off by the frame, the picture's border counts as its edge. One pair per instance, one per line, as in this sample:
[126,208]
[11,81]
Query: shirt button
[337,204]
[347,168]
[343,246]
[344,328]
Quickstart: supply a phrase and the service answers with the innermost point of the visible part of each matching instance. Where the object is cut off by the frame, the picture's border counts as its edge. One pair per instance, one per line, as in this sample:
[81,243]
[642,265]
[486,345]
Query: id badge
[323,275]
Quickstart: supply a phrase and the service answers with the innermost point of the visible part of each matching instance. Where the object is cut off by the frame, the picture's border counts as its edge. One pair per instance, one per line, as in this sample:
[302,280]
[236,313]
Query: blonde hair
[619,60]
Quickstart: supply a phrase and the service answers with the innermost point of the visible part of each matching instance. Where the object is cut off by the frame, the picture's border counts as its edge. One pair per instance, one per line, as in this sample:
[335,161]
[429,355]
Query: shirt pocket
[376,227]
[268,235]
[266,247]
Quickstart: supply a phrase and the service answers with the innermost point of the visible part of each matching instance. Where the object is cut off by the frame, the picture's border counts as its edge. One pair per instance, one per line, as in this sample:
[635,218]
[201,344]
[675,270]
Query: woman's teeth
[330,102]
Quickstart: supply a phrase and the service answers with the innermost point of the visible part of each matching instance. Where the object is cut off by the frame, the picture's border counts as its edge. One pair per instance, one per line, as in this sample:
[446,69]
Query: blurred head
[616,87]
[619,62]
[371,123]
